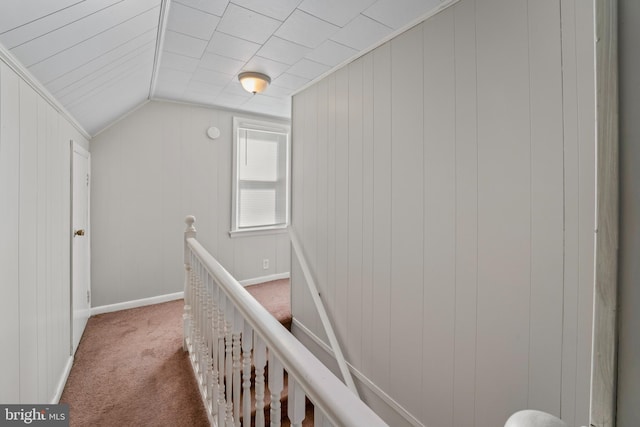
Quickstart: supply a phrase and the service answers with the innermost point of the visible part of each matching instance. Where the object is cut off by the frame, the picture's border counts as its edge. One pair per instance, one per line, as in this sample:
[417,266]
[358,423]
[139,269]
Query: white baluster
[247,345]
[221,353]
[186,316]
[228,342]
[259,360]
[275,387]
[296,406]
[238,325]
[209,335]
[214,347]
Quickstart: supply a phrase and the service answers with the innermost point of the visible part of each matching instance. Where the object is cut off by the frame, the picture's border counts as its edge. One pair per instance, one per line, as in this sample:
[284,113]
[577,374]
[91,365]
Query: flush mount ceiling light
[254,82]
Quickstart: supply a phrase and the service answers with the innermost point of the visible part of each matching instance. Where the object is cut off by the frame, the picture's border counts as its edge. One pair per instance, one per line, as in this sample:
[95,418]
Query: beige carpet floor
[130,370]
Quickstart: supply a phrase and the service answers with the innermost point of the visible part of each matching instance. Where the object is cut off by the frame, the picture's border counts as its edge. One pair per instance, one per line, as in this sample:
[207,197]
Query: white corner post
[186,316]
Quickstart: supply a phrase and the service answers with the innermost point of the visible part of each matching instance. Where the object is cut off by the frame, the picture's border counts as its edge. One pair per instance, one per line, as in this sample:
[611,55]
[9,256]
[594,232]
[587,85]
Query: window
[260,175]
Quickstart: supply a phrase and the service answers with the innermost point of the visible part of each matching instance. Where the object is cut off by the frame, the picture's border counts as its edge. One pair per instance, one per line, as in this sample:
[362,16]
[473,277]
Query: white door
[80,285]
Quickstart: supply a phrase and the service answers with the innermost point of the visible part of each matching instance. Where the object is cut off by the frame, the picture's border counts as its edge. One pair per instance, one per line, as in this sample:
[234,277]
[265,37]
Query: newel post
[186,316]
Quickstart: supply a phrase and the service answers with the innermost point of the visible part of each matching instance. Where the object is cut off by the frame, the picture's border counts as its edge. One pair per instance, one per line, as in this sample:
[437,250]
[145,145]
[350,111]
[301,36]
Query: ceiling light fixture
[254,82]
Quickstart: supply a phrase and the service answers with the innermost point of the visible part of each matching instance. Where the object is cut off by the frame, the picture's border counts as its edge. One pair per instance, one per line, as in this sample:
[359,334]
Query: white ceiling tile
[283,51]
[197,97]
[48,23]
[308,69]
[132,59]
[18,12]
[85,89]
[232,47]
[290,81]
[205,88]
[184,45]
[192,22]
[215,7]
[178,62]
[397,13]
[169,93]
[266,66]
[247,24]
[231,101]
[236,89]
[338,12]
[222,64]
[93,48]
[113,101]
[361,33]
[331,53]
[168,78]
[211,77]
[277,9]
[306,29]
[276,91]
[49,44]
[132,47]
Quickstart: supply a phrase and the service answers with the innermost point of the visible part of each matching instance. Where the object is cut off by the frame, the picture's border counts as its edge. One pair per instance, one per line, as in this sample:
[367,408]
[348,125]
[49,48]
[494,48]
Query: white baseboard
[360,379]
[62,382]
[136,303]
[263,279]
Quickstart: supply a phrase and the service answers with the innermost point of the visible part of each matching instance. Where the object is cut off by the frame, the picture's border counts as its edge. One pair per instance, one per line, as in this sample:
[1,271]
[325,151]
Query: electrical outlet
[265,264]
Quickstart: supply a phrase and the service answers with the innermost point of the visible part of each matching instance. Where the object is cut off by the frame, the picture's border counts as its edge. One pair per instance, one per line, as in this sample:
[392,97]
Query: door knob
[78,233]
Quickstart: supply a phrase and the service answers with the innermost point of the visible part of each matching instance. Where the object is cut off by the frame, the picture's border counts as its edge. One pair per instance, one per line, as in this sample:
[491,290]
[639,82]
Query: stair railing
[324,317]
[226,331]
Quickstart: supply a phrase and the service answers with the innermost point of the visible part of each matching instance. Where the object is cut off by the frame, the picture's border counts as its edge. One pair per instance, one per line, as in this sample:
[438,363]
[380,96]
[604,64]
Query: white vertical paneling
[439,221]
[41,254]
[224,161]
[35,194]
[297,202]
[460,206]
[466,181]
[571,210]
[341,229]
[28,243]
[547,240]
[171,181]
[382,288]
[407,218]
[331,198]
[354,314]
[503,210]
[9,233]
[150,170]
[368,313]
[586,115]
[321,194]
[310,215]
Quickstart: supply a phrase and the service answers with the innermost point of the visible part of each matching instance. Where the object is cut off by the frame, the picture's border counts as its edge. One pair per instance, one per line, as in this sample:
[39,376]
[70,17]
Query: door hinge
[88,297]
[87,180]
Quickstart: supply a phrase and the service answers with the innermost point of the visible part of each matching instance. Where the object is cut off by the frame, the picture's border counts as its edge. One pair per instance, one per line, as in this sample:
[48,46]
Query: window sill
[258,232]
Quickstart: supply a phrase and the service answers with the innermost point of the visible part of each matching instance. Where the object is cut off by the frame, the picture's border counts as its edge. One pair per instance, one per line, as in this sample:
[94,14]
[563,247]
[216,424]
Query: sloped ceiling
[102,58]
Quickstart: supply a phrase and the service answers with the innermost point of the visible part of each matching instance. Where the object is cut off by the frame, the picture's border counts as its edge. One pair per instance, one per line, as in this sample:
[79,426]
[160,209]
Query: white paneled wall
[150,170]
[444,196]
[34,243]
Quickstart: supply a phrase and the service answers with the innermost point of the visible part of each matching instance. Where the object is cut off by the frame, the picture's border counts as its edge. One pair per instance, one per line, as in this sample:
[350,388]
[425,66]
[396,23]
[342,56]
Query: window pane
[261,181]
[257,207]
[258,156]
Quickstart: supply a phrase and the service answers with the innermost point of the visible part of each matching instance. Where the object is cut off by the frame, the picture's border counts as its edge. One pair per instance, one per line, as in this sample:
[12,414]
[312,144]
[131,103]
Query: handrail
[320,385]
[324,318]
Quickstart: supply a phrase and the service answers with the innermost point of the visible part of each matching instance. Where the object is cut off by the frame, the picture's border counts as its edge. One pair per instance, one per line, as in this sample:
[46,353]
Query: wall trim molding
[136,303]
[62,382]
[262,279]
[12,62]
[361,378]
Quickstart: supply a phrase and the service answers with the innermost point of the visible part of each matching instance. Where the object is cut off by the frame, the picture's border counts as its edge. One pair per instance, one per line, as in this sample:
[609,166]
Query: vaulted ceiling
[102,58]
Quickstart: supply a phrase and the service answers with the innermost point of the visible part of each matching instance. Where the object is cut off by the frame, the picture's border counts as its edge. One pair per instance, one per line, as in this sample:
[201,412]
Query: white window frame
[268,126]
